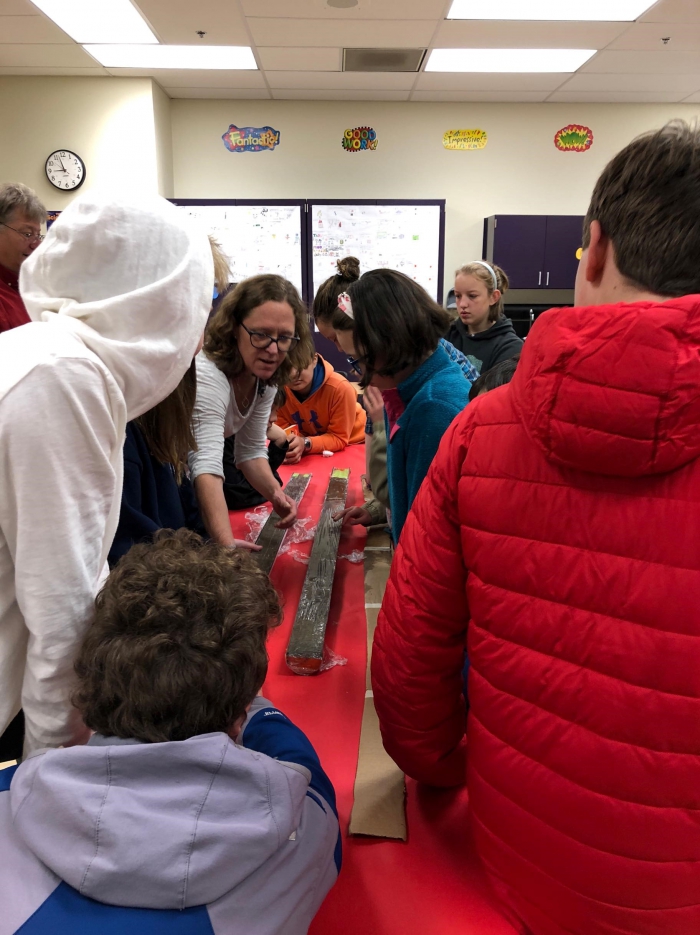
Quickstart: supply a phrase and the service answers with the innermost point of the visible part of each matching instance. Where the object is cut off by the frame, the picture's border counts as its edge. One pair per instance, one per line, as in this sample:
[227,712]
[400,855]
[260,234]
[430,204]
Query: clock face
[65,170]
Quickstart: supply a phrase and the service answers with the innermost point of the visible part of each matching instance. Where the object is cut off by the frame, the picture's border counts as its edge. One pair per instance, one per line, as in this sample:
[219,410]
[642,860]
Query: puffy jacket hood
[614,389]
[170,824]
[134,280]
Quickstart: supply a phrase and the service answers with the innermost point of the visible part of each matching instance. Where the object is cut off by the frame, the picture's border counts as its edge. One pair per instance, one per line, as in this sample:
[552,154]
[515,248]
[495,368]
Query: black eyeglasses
[355,364]
[28,235]
[261,340]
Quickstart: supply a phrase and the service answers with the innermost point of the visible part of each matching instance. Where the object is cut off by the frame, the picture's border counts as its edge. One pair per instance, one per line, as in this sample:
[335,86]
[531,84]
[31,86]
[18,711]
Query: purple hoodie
[227,838]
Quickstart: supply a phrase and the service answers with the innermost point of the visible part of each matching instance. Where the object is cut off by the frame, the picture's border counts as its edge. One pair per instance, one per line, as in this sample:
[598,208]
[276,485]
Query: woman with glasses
[21,217]
[257,338]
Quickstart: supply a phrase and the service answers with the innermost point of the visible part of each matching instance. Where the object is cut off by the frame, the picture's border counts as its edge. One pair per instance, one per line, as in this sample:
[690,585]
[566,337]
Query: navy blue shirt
[151,498]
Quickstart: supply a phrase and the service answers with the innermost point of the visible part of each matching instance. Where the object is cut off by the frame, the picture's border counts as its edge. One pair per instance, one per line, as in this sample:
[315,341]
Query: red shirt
[12,310]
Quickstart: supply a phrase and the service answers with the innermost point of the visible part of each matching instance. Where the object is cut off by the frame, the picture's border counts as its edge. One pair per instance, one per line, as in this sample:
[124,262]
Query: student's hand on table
[296,450]
[248,546]
[374,403]
[354,516]
[285,508]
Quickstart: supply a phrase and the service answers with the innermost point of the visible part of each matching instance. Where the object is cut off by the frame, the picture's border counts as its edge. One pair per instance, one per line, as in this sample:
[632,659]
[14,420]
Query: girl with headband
[482,332]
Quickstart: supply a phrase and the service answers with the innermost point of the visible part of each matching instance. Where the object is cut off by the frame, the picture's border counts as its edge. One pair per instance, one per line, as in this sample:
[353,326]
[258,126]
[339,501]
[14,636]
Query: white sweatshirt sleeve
[57,435]
[251,439]
[209,418]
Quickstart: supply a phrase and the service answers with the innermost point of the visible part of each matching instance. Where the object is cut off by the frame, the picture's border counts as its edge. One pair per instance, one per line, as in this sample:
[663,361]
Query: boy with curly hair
[197,806]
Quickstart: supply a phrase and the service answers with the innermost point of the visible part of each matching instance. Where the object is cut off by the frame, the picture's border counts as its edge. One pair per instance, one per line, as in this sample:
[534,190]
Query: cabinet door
[564,234]
[518,247]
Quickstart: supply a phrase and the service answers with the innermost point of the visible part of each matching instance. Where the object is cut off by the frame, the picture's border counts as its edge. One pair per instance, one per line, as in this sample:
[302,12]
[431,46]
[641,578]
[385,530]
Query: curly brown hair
[221,344]
[177,645]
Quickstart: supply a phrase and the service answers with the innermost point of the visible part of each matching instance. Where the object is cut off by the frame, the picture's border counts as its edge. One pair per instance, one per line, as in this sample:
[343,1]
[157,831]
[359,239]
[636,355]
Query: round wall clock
[65,170]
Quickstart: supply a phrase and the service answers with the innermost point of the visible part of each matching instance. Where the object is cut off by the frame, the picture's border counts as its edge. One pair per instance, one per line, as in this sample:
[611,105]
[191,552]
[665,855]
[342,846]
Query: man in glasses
[21,217]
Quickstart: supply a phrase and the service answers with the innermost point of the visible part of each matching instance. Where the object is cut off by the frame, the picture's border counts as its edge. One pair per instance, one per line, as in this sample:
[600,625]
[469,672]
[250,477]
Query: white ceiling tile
[647,37]
[653,63]
[28,29]
[97,72]
[347,80]
[240,94]
[192,78]
[489,34]
[366,9]
[326,94]
[177,21]
[615,97]
[370,34]
[673,11]
[595,82]
[476,96]
[279,58]
[692,99]
[66,55]
[488,81]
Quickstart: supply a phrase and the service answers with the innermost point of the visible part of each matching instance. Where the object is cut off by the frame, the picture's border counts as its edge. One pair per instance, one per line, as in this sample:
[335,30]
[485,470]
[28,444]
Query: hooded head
[133,279]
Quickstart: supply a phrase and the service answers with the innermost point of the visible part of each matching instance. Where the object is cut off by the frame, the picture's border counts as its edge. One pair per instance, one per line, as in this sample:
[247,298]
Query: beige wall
[519,172]
[164,141]
[109,122]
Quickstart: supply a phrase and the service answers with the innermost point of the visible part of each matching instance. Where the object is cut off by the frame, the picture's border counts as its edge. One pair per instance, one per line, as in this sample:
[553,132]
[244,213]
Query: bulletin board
[256,236]
[408,236]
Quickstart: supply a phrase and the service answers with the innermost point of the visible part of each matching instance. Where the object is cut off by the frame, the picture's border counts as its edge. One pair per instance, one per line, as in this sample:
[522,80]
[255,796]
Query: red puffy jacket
[560,526]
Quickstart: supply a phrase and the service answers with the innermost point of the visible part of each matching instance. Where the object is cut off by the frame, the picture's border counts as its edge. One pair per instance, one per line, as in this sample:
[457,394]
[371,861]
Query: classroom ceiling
[298,45]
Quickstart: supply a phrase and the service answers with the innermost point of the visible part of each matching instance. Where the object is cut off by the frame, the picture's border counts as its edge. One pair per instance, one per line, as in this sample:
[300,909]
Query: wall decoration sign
[465,139]
[250,139]
[573,138]
[354,141]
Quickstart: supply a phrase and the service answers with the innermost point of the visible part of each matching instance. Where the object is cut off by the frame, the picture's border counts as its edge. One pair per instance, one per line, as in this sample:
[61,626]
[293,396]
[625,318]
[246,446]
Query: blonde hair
[482,273]
[222,267]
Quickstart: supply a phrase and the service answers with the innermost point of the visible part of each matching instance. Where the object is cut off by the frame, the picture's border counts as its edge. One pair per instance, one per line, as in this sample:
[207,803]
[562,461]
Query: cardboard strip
[305,649]
[379,808]
[270,537]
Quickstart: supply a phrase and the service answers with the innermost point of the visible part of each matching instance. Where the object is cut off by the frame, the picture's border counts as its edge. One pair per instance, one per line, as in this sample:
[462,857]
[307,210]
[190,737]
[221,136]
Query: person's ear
[495,296]
[596,255]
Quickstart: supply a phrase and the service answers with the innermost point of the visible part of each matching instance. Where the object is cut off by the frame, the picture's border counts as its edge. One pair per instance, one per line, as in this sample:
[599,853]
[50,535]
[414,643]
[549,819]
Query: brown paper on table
[379,809]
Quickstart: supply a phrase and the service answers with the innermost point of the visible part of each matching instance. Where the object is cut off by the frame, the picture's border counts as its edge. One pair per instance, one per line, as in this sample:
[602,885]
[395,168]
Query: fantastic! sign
[250,139]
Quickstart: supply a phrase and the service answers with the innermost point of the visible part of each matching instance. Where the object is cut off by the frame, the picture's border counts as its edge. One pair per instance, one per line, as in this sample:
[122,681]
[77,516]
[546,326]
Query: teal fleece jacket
[417,414]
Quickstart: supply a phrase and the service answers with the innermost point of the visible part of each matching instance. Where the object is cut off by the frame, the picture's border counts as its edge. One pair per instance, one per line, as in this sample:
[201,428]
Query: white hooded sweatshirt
[118,294]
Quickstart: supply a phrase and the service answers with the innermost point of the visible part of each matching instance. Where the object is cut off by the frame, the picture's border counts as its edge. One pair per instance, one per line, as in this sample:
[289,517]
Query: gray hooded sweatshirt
[197,837]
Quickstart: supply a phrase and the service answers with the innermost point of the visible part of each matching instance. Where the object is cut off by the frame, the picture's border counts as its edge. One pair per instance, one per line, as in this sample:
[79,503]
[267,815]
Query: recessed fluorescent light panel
[617,11]
[203,57]
[98,20]
[508,60]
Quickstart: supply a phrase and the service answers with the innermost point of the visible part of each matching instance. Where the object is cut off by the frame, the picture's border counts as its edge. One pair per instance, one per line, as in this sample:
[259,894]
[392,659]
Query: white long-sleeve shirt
[61,470]
[216,416]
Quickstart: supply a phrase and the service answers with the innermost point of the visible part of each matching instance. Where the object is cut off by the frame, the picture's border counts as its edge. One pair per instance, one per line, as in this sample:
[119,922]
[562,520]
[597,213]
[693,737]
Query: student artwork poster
[401,237]
[255,238]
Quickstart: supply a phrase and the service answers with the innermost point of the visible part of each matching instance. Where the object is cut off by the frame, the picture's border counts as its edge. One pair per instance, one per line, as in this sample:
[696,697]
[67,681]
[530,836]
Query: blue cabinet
[537,251]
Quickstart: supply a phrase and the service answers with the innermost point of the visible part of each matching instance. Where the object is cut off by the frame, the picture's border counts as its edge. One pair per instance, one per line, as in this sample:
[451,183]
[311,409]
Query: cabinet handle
[539,281]
[547,278]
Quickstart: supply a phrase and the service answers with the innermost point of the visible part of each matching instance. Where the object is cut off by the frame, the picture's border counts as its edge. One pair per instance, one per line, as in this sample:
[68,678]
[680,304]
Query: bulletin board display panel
[405,236]
[257,237]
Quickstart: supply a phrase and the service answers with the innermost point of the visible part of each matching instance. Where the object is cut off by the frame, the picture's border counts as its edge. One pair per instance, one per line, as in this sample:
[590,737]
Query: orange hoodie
[331,416]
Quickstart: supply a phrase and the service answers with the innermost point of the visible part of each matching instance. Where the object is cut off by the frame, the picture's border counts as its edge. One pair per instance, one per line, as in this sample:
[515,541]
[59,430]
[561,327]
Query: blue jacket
[151,498]
[195,837]
[430,398]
